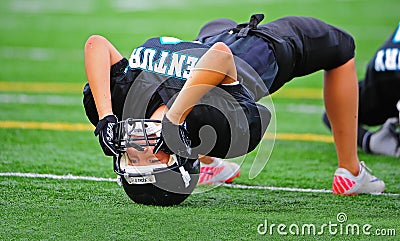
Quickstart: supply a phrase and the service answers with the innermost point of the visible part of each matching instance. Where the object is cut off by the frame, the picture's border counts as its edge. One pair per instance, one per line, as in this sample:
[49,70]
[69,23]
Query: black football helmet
[161,184]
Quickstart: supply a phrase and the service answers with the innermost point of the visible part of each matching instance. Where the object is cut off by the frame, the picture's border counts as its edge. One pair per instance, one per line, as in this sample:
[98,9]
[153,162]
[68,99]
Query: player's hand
[105,131]
[174,139]
[386,140]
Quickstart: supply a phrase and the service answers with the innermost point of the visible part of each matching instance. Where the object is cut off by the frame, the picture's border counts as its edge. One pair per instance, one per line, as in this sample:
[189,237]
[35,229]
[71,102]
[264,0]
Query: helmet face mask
[137,133]
[152,181]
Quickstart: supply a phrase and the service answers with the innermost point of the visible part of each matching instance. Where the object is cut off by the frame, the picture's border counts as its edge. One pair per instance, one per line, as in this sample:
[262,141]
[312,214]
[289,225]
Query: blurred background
[42,40]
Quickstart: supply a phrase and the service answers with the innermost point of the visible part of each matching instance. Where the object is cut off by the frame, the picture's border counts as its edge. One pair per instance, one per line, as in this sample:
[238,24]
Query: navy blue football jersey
[379,91]
[160,67]
[173,58]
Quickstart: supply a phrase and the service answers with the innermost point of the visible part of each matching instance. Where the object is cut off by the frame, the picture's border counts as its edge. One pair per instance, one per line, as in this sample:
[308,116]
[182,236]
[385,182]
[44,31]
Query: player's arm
[215,67]
[100,55]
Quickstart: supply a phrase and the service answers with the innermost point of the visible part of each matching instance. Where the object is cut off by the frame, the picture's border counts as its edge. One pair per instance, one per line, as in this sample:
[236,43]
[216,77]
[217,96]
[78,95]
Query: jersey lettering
[191,62]
[387,60]
[173,64]
[147,62]
[134,60]
[160,67]
[175,69]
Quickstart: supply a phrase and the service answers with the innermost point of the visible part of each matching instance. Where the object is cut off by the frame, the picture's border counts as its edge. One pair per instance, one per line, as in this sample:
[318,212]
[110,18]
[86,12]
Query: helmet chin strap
[185,176]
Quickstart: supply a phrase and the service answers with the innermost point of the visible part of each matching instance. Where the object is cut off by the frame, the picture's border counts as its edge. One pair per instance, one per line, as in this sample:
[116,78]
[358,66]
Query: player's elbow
[95,40]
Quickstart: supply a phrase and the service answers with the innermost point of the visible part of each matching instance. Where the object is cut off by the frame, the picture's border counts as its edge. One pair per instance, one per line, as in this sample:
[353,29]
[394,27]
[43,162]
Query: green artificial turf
[41,43]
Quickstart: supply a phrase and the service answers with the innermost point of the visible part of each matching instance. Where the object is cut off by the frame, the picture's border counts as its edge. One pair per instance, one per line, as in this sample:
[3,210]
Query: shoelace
[366,168]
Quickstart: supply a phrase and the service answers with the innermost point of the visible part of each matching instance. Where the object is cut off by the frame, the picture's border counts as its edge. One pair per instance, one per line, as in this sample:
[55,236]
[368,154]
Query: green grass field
[41,77]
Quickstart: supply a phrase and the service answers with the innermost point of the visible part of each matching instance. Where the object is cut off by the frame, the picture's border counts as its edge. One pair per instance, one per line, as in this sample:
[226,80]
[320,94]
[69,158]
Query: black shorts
[302,45]
[237,122]
[307,45]
[227,123]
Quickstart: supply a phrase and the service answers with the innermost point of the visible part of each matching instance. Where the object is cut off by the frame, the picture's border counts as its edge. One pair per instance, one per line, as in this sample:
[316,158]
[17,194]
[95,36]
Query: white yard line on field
[39,54]
[77,100]
[291,189]
[235,186]
[40,99]
[53,176]
[305,108]
[76,88]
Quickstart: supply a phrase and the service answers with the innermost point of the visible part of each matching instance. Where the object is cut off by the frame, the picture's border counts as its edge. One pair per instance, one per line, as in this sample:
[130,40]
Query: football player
[379,96]
[206,90]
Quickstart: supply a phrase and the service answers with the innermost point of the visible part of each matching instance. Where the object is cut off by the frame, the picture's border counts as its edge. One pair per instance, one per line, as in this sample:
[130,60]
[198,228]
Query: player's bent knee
[221,47]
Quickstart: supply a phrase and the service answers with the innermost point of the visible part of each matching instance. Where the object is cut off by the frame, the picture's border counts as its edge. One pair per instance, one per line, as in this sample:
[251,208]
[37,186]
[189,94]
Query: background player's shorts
[378,96]
[376,107]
